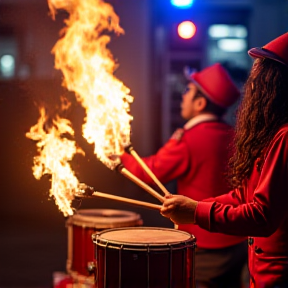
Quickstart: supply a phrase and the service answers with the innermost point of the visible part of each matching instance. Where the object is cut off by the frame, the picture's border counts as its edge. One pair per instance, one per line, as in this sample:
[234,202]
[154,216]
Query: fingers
[168,200]
[168,206]
[166,209]
[163,213]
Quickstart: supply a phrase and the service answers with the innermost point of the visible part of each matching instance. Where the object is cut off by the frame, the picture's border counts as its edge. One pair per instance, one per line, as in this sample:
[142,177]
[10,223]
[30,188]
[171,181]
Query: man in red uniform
[197,156]
[257,207]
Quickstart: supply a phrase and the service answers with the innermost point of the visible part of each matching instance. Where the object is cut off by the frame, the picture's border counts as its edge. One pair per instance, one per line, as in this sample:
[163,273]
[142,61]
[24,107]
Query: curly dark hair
[263,110]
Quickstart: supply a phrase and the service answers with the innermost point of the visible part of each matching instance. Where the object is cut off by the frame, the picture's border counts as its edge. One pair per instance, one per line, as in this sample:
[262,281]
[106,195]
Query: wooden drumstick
[131,150]
[88,191]
[139,182]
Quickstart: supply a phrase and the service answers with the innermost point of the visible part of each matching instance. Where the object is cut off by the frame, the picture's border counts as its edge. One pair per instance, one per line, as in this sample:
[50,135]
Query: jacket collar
[199,119]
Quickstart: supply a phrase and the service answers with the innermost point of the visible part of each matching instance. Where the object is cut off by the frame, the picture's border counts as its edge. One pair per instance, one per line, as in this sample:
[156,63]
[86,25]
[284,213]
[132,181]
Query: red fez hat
[216,84]
[276,50]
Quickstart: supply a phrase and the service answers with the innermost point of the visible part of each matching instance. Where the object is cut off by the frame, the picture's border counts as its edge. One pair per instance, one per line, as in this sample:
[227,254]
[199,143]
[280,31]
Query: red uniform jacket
[197,160]
[263,215]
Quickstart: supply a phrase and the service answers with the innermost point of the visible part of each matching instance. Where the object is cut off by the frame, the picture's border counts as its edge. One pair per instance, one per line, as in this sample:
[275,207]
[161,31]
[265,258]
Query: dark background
[33,239]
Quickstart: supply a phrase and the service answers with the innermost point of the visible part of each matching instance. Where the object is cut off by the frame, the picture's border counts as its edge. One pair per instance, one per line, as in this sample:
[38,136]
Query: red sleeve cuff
[202,215]
[125,157]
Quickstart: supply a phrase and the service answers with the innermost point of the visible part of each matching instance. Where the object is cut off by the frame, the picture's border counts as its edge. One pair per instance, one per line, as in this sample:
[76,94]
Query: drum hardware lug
[91,268]
[94,236]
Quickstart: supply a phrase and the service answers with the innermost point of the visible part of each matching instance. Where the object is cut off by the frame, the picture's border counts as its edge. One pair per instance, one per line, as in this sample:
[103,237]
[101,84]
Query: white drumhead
[144,235]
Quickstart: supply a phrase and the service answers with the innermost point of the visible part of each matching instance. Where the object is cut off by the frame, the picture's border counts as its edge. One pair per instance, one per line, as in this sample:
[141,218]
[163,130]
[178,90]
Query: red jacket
[197,160]
[263,215]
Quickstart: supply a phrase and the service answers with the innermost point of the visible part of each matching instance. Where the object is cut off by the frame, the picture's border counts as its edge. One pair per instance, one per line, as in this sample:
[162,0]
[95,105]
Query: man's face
[188,110]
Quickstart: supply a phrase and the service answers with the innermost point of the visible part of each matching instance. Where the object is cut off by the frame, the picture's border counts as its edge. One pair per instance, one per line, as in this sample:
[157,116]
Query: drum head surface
[144,235]
[104,218]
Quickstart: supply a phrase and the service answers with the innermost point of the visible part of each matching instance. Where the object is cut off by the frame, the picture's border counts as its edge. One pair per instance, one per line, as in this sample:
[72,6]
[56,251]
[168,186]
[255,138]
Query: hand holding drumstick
[179,209]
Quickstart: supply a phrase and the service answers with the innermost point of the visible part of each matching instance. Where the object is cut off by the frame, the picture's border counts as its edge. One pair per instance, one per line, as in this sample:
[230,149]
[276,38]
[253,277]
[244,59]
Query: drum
[81,261]
[144,257]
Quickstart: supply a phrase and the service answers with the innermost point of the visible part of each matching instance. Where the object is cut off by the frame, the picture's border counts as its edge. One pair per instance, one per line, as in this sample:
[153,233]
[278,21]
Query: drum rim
[105,218]
[97,240]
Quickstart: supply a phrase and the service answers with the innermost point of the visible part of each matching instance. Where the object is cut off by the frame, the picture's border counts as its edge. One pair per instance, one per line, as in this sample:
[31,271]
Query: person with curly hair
[257,206]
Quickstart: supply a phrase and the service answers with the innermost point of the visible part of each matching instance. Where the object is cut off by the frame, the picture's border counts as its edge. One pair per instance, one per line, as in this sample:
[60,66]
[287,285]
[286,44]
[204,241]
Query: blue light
[182,3]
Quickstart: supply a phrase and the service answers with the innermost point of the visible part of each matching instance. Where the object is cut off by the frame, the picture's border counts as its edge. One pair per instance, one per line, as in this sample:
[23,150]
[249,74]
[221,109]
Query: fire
[88,67]
[55,152]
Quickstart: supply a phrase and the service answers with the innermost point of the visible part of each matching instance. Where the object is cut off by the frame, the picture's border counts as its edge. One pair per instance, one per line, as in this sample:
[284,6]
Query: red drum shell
[80,228]
[144,257]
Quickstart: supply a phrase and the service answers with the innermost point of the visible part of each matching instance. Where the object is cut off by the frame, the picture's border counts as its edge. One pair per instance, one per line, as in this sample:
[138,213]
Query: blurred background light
[232,45]
[186,29]
[184,4]
[222,31]
[7,65]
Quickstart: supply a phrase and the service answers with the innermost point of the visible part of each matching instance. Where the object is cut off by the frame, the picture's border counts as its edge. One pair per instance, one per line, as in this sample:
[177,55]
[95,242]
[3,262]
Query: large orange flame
[88,66]
[55,153]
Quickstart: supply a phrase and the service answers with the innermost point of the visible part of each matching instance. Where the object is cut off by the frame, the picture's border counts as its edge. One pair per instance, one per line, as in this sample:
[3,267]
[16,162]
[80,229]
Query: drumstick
[87,191]
[131,150]
[139,182]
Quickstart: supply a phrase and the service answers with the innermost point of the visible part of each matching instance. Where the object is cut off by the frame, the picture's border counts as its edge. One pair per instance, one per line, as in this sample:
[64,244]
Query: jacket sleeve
[171,161]
[266,209]
[233,198]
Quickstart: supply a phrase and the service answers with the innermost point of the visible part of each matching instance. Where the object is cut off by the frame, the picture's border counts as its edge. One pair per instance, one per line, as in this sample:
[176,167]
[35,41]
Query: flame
[88,66]
[55,152]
